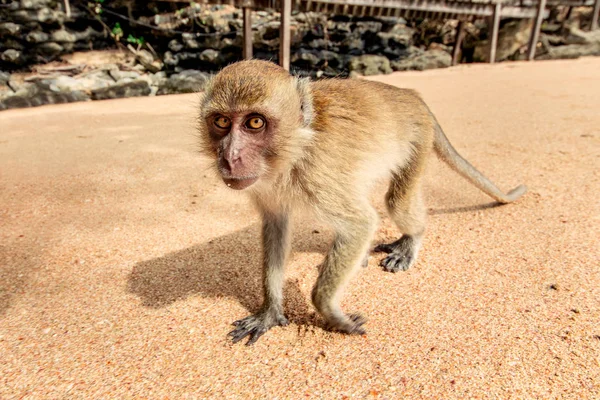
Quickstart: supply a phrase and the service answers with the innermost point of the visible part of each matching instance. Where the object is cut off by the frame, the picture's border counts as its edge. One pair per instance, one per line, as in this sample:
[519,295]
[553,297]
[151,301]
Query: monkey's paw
[256,325]
[401,254]
[352,325]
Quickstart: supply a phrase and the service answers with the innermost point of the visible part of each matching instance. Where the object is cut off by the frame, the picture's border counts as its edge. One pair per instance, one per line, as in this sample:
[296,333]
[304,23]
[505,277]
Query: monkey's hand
[256,325]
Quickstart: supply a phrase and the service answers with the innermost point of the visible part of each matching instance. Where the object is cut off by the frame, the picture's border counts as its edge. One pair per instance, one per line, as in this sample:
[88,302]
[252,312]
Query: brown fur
[327,143]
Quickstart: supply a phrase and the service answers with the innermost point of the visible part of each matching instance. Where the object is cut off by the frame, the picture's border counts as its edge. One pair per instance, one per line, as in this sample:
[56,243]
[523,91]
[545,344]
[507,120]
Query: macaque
[289,142]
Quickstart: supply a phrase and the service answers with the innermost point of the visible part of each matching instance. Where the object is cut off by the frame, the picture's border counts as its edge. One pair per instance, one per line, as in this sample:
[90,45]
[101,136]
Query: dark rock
[87,34]
[35,4]
[43,15]
[12,56]
[211,56]
[146,58]
[50,49]
[170,60]
[13,44]
[124,76]
[577,36]
[37,94]
[63,36]
[189,40]
[369,65]
[4,77]
[10,29]
[175,46]
[37,37]
[189,81]
[571,51]
[120,90]
[511,37]
[353,46]
[400,36]
[305,58]
[427,60]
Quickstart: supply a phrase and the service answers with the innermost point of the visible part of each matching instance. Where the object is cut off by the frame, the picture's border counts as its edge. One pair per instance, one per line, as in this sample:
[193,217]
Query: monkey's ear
[306,100]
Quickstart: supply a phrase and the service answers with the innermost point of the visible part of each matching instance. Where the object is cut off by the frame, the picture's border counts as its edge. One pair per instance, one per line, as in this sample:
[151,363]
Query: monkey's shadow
[213,269]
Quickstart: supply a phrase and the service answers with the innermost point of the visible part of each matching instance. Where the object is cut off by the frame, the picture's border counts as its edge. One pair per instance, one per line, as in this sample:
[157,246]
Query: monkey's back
[374,126]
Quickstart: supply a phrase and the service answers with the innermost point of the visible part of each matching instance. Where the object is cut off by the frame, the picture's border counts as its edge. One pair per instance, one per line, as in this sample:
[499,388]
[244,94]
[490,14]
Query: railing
[462,10]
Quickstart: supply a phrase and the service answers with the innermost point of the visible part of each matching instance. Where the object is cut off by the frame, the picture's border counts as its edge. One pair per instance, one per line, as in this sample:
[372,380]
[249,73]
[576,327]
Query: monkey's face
[250,119]
[242,142]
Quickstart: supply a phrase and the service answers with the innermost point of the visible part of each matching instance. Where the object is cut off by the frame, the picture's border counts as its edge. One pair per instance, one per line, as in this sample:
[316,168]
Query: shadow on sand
[455,210]
[212,269]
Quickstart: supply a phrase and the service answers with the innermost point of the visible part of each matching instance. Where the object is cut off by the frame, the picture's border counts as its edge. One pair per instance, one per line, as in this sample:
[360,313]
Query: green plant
[117,31]
[136,40]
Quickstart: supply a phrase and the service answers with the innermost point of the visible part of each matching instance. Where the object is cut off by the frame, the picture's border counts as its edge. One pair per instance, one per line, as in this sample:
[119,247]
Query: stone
[170,59]
[37,37]
[13,44]
[577,36]
[10,29]
[63,35]
[35,4]
[12,56]
[370,65]
[353,46]
[189,40]
[146,58]
[400,36]
[50,49]
[439,46]
[426,60]
[305,58]
[124,76]
[39,93]
[211,56]
[95,79]
[121,90]
[188,81]
[88,34]
[571,51]
[511,37]
[4,78]
[175,46]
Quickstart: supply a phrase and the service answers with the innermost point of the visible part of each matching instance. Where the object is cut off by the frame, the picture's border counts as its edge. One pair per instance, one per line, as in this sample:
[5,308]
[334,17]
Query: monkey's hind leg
[351,243]
[408,212]
[276,244]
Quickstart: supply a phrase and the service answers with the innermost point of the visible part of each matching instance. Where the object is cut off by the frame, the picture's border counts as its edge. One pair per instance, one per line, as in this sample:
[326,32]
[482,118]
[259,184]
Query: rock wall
[200,37]
[38,31]
[170,48]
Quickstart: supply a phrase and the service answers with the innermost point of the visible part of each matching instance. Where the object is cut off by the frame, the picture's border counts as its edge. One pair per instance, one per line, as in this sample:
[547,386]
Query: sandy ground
[123,261]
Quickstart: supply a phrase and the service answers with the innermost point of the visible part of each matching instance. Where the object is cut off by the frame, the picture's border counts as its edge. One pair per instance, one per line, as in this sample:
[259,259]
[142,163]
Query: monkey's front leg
[275,238]
[347,253]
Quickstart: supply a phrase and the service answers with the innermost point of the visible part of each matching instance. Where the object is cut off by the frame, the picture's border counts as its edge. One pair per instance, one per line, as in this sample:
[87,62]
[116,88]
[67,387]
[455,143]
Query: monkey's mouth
[239,183]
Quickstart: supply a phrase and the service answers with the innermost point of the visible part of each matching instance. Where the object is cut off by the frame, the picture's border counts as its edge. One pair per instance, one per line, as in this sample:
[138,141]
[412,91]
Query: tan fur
[330,141]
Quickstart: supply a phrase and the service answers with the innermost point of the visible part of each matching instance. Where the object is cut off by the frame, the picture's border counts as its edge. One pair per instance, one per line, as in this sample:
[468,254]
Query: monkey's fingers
[387,247]
[241,332]
[354,327]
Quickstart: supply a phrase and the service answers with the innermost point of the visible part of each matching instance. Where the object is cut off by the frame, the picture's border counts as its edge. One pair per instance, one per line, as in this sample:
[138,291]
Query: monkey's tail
[448,154]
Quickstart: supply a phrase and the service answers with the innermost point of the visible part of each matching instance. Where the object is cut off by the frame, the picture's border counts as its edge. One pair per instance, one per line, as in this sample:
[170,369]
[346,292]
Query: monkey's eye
[255,123]
[222,122]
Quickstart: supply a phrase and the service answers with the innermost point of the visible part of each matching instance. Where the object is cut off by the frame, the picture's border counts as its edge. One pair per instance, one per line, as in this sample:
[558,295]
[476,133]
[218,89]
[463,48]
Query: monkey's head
[254,121]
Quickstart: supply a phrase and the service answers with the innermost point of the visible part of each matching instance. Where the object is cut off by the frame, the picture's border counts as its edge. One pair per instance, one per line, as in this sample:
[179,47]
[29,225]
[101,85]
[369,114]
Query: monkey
[291,142]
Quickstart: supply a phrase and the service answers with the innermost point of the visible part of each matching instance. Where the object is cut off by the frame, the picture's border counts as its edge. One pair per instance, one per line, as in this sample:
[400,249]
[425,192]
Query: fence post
[535,31]
[595,15]
[285,33]
[247,49]
[460,35]
[495,29]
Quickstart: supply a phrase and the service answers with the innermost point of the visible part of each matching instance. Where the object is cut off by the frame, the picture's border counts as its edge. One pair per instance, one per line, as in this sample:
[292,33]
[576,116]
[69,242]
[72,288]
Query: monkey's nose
[232,161]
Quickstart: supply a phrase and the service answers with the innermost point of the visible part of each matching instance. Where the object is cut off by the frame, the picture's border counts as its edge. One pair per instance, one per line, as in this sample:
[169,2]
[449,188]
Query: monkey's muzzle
[240,183]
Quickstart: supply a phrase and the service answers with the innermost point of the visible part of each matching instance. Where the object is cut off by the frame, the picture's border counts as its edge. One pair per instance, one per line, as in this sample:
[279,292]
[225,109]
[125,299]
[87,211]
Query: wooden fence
[461,10]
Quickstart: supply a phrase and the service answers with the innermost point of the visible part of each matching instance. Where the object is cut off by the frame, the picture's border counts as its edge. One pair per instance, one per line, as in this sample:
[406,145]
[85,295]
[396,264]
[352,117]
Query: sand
[123,261]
